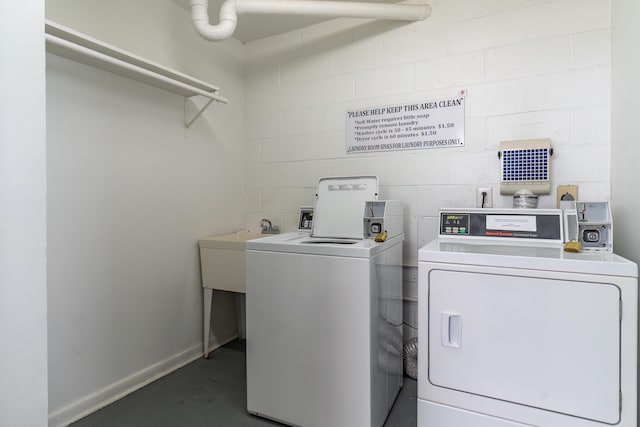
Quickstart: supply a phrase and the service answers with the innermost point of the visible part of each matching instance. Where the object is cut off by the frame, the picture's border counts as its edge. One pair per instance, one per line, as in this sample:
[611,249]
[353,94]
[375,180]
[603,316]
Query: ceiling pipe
[231,8]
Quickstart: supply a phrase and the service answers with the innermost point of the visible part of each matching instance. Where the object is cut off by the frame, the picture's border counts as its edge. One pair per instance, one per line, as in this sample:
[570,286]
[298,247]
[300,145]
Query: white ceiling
[252,27]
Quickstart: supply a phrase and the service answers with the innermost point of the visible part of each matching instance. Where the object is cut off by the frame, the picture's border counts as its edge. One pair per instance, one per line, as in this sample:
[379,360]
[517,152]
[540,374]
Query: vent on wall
[525,166]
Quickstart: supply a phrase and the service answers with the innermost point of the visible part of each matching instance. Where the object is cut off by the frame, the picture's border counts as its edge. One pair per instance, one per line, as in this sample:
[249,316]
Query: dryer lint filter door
[340,206]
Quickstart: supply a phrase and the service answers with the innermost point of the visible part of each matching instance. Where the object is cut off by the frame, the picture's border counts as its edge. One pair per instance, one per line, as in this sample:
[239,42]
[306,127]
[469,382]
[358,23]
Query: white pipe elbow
[224,29]
[230,9]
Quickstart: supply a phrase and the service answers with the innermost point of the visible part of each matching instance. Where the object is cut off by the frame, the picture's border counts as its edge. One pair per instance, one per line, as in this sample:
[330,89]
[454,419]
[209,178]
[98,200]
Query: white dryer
[513,331]
[324,316]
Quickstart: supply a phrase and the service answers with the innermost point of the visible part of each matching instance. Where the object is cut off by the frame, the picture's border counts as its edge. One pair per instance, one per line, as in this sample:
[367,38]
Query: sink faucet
[267,227]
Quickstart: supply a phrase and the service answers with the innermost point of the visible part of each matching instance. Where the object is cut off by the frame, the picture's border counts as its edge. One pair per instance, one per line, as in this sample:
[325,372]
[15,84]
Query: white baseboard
[119,389]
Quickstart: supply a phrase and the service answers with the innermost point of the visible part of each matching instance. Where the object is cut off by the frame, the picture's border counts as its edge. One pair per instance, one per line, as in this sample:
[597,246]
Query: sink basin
[222,260]
[230,241]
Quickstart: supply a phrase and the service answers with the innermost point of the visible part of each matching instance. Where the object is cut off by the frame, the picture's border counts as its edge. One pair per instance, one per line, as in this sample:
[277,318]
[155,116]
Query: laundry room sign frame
[418,125]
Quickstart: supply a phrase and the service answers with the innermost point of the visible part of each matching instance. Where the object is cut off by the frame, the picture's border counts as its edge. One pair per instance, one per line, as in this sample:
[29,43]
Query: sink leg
[240,314]
[207,297]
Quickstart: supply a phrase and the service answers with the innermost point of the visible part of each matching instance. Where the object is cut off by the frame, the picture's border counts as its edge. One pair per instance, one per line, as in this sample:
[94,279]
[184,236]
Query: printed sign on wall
[430,124]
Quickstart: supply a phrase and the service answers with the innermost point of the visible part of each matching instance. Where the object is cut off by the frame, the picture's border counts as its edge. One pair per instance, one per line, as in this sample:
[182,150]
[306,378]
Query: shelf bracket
[188,122]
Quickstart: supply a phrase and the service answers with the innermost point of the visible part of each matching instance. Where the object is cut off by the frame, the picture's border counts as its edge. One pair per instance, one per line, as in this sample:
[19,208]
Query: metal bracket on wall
[188,122]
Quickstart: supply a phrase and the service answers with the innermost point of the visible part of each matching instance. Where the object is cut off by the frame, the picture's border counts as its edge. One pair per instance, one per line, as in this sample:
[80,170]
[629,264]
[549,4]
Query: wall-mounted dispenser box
[382,215]
[595,228]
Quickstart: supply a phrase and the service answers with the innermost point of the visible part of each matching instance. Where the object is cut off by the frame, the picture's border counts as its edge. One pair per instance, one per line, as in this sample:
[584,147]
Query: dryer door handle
[451,329]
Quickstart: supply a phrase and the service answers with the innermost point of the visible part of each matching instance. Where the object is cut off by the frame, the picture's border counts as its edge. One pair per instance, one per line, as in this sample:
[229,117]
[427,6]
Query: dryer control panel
[536,224]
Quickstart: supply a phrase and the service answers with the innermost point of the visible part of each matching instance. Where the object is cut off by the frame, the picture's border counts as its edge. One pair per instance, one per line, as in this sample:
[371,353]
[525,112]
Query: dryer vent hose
[410,353]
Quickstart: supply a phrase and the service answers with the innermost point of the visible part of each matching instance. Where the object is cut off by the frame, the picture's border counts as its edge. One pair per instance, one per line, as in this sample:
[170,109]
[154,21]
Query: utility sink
[231,241]
[222,260]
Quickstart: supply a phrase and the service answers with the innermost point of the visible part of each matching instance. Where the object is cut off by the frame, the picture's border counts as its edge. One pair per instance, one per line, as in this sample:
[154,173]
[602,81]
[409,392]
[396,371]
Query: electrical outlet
[484,197]
[567,193]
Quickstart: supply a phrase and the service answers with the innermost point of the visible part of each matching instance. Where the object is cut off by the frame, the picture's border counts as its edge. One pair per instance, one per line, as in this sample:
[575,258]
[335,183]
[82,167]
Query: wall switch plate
[567,193]
[484,197]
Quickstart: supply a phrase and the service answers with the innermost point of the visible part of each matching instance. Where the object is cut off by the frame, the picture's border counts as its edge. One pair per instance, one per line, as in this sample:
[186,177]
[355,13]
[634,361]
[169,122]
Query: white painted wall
[625,150]
[532,69]
[130,192]
[23,258]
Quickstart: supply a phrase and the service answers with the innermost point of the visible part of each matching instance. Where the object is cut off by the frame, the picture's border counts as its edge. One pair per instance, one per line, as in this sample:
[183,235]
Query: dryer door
[539,342]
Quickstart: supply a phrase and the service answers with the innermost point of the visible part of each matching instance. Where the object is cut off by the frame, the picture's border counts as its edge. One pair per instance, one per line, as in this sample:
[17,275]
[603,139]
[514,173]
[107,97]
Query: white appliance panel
[324,339]
[531,257]
[306,317]
[491,333]
[521,333]
[339,207]
[435,414]
[297,242]
[456,401]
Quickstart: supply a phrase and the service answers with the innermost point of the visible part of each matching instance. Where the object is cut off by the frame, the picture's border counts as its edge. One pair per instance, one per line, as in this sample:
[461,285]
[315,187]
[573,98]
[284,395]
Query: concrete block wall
[532,69]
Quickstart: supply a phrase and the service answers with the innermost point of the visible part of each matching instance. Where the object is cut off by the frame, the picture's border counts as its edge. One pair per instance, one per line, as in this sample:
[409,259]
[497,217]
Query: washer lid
[340,204]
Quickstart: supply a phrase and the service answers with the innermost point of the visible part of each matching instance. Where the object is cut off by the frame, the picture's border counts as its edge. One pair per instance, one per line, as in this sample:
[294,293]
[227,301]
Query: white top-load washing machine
[324,313]
[514,331]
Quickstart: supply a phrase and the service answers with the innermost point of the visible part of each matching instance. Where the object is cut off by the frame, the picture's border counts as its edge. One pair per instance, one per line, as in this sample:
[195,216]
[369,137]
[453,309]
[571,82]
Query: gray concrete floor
[211,392]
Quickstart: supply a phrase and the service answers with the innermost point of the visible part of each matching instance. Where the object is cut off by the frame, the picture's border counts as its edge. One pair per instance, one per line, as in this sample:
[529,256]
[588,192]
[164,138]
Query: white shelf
[79,47]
